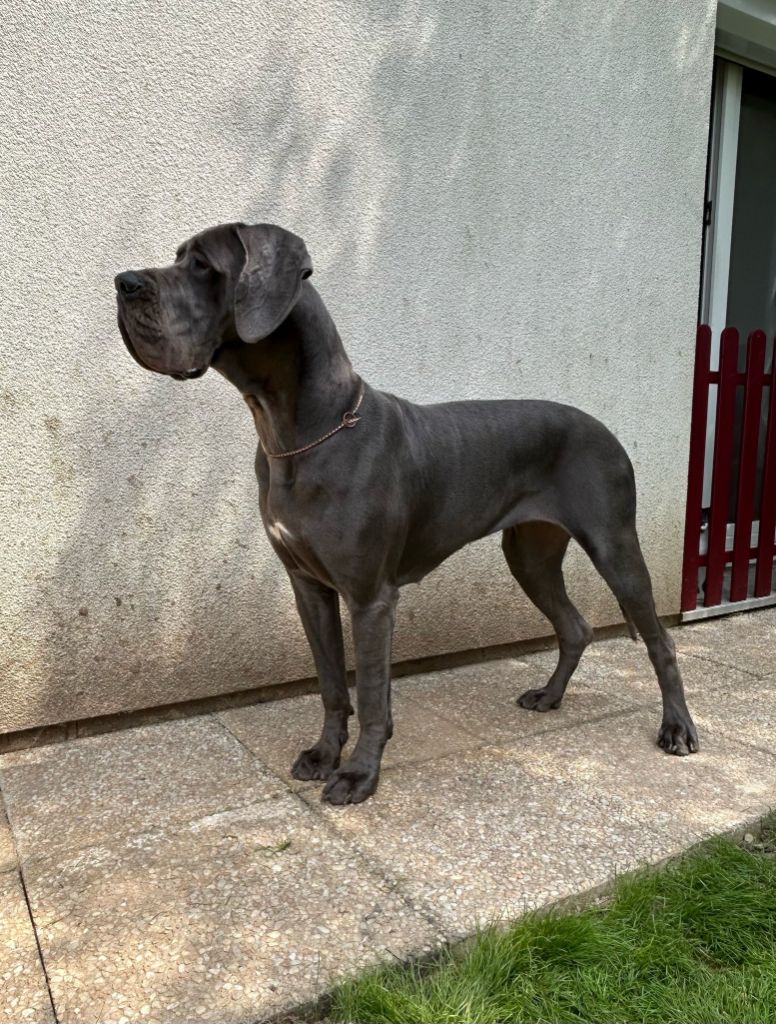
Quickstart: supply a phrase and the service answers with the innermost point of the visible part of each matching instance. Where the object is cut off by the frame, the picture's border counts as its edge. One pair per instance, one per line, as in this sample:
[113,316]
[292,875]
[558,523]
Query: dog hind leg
[534,552]
[617,556]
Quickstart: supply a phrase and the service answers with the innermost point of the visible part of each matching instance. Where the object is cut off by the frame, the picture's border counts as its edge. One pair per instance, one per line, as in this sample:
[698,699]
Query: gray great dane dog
[361,492]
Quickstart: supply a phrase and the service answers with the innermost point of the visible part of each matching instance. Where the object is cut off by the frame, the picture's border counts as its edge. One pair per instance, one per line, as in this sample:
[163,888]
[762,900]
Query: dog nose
[128,283]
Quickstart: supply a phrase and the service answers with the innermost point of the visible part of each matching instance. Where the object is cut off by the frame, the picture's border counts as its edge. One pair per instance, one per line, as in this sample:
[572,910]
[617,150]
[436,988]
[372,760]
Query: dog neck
[298,381]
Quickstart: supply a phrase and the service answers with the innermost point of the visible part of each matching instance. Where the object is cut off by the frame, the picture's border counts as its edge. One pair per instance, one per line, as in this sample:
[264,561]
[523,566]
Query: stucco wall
[501,199]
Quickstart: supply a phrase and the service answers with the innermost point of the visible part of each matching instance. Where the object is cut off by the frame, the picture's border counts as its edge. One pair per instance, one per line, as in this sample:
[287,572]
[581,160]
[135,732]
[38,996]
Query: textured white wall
[501,199]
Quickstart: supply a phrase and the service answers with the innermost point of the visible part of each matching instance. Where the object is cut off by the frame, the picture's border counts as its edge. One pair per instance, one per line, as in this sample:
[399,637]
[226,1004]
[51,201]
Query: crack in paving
[33,923]
[393,884]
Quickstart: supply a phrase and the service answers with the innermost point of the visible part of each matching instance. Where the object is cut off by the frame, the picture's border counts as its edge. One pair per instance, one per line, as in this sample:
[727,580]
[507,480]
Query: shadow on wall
[452,205]
[139,621]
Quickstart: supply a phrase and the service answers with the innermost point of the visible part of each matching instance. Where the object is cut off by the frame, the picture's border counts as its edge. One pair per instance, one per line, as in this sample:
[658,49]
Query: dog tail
[631,628]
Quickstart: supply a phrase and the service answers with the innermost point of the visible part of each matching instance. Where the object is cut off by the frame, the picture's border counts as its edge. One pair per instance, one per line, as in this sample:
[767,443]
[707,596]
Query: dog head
[231,282]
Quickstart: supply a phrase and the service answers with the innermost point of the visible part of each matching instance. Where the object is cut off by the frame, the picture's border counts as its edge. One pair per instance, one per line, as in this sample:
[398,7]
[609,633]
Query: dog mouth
[130,347]
[189,374]
[192,374]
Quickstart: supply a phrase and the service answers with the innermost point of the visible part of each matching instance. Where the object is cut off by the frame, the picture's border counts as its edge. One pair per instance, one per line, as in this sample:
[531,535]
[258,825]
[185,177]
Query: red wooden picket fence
[754,380]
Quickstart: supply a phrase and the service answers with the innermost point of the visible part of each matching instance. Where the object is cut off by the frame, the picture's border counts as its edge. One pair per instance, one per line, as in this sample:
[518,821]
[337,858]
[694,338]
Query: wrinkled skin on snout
[234,282]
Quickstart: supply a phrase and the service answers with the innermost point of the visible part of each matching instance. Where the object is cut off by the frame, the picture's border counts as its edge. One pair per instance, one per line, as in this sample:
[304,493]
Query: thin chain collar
[349,419]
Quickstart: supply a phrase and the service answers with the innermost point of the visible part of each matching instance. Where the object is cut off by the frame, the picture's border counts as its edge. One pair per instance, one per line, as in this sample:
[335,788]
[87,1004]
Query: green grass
[694,941]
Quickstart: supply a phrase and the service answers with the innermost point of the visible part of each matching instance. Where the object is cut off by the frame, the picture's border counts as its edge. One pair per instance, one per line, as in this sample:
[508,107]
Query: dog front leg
[373,625]
[318,608]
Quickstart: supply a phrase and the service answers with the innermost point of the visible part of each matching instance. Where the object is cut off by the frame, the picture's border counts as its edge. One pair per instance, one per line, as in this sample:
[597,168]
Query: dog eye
[199,264]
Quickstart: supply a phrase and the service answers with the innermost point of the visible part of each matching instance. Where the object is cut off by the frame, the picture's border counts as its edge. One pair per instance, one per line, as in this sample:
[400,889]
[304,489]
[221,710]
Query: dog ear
[276,263]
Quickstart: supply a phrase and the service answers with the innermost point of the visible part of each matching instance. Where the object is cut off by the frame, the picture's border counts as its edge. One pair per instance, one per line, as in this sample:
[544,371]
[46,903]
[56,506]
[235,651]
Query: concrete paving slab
[701,676]
[621,667]
[7,847]
[276,732]
[483,700]
[87,791]
[746,641]
[746,714]
[228,918]
[722,785]
[614,676]
[482,838]
[23,992]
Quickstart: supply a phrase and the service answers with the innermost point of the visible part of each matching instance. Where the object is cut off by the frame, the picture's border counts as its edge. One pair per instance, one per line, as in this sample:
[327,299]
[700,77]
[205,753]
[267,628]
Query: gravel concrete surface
[176,872]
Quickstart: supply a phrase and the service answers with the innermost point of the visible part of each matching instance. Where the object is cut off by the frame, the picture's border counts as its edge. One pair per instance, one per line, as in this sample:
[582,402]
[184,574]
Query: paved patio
[176,872]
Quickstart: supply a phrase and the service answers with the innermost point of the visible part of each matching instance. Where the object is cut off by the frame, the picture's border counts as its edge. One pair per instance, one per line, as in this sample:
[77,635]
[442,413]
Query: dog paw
[678,735]
[538,700]
[350,785]
[314,763]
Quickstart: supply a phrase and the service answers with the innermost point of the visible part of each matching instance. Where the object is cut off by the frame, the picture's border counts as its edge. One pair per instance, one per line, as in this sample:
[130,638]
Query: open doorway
[738,290]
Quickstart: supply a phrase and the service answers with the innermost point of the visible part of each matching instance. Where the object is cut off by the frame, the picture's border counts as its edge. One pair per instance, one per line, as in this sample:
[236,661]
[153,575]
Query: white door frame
[722,183]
